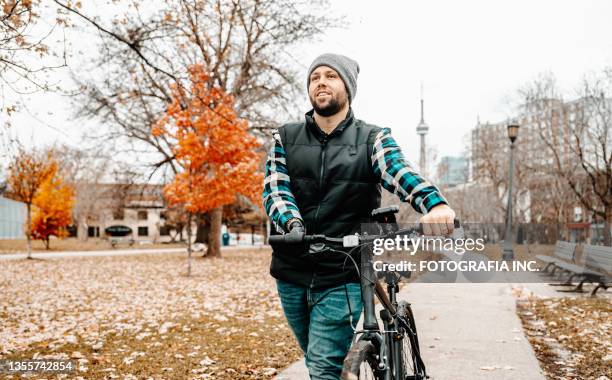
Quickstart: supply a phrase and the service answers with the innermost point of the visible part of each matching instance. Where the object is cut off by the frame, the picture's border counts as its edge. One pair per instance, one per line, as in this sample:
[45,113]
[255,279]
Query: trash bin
[226,239]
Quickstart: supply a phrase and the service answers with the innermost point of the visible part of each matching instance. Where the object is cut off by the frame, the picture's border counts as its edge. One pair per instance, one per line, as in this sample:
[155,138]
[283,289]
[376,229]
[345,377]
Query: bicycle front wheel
[361,362]
[412,364]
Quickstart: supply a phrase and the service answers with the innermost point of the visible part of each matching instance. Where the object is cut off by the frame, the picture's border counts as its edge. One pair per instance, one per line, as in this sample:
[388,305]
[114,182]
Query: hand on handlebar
[438,221]
[296,233]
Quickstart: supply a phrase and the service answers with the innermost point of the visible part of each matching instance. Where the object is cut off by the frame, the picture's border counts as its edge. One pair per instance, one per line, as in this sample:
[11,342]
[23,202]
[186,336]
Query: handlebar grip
[456,223]
[276,239]
[288,239]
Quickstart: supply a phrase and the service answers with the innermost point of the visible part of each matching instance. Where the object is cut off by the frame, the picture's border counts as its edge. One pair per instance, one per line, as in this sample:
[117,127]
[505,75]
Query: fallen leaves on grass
[139,315]
[572,337]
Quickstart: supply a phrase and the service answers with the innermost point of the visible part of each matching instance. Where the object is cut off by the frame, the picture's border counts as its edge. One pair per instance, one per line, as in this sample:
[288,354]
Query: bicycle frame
[387,346]
[388,342]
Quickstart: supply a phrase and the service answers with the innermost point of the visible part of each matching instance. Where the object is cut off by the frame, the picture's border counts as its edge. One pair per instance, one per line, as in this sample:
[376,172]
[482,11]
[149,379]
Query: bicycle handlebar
[289,238]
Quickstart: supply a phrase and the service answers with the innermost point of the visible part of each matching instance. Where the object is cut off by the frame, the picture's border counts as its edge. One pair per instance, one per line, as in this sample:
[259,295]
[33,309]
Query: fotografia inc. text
[454,266]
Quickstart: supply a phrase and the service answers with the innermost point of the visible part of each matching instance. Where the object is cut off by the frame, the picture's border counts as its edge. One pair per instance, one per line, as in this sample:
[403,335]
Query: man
[323,176]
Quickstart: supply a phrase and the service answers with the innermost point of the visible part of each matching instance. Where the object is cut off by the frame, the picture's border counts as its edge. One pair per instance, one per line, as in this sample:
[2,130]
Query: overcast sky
[469,55]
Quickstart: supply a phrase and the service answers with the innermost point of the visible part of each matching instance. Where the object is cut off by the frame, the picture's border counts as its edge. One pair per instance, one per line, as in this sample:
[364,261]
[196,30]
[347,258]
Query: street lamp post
[507,252]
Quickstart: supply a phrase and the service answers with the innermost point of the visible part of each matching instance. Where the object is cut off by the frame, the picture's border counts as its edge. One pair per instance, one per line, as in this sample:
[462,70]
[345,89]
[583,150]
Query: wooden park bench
[564,253]
[597,268]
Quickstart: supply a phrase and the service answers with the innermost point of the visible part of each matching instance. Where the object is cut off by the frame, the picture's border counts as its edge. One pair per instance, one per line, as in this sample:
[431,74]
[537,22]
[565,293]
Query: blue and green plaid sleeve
[278,200]
[399,178]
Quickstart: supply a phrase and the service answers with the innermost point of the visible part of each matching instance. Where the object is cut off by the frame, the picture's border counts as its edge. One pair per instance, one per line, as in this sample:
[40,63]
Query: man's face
[326,91]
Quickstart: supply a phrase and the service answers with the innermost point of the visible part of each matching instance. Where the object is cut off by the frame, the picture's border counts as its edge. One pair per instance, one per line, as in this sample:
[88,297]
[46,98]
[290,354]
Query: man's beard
[331,108]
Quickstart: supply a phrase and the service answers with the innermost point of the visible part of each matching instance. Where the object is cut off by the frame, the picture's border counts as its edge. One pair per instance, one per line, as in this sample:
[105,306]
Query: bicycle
[391,353]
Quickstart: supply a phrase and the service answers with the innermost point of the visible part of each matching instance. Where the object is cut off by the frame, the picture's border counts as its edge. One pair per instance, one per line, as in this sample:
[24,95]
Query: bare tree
[26,59]
[23,42]
[489,155]
[474,202]
[592,144]
[551,198]
[575,136]
[244,45]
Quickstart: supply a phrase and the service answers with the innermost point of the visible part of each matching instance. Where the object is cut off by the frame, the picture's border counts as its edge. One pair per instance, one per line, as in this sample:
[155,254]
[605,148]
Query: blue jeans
[321,324]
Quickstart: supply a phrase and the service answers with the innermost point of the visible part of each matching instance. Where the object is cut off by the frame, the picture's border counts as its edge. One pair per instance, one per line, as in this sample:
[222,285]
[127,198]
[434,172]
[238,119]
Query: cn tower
[422,130]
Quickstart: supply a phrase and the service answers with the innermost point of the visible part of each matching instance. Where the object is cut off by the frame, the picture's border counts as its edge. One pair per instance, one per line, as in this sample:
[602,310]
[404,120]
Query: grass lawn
[572,337]
[73,244]
[141,317]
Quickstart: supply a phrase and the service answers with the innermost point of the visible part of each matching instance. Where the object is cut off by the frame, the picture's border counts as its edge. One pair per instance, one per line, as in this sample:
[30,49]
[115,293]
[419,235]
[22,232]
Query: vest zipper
[321,173]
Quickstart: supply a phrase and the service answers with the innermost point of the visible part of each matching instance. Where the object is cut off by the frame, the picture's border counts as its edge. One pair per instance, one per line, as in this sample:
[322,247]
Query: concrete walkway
[466,331]
[114,252]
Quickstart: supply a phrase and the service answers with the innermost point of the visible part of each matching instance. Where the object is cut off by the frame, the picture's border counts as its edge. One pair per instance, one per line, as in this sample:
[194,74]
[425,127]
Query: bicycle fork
[389,341]
[394,338]
[370,323]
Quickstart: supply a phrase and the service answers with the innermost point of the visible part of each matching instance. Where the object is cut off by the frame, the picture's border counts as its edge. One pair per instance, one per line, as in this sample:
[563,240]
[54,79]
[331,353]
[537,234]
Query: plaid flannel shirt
[388,164]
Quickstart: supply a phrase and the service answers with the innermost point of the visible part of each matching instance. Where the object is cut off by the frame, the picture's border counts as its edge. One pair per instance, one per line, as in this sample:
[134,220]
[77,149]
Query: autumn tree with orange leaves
[53,209]
[26,175]
[214,150]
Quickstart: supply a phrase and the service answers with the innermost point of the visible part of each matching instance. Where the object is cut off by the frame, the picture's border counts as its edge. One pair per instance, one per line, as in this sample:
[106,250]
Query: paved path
[466,331]
[114,252]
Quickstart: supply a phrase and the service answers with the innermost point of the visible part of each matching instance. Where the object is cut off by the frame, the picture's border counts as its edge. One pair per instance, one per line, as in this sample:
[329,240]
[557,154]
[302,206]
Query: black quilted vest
[335,189]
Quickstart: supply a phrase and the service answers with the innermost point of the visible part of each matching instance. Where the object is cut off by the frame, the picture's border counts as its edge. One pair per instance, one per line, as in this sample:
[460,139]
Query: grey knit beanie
[344,66]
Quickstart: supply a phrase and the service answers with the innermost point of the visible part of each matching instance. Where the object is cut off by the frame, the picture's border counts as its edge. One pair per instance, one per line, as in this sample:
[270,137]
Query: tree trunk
[203,228]
[189,245]
[47,243]
[82,229]
[264,233]
[29,229]
[607,235]
[214,234]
